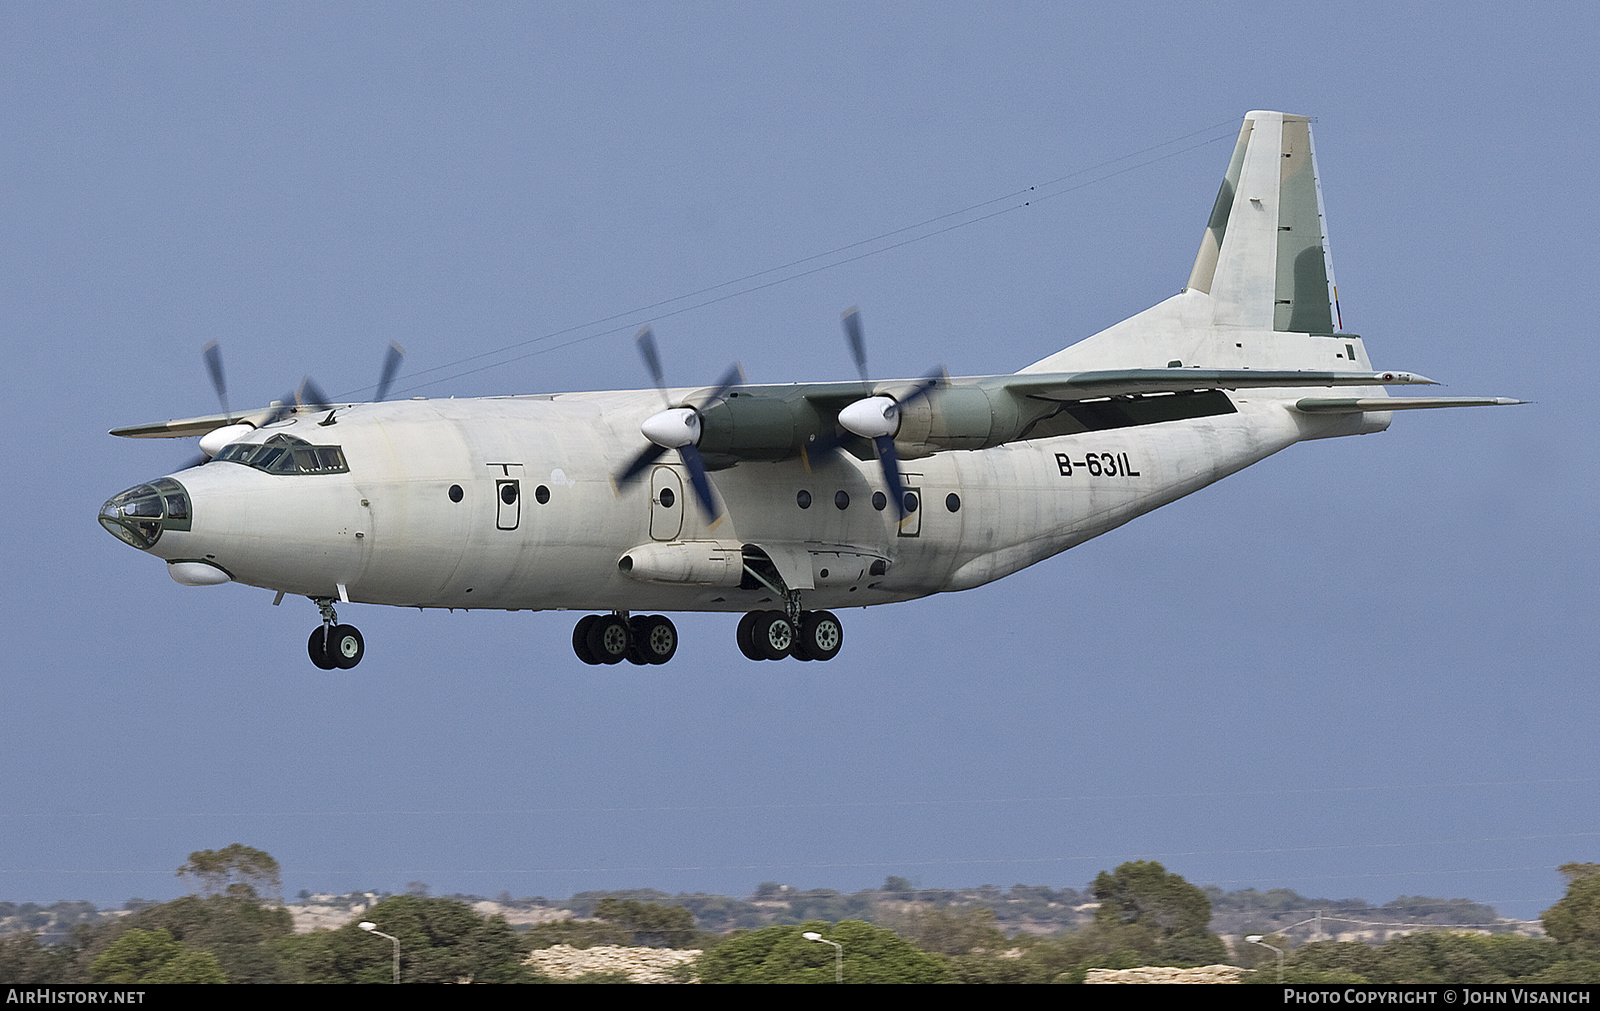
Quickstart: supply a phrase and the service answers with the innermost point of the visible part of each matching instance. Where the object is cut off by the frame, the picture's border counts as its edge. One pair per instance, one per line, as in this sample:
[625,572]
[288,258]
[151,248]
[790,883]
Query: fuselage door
[911,520]
[507,494]
[666,504]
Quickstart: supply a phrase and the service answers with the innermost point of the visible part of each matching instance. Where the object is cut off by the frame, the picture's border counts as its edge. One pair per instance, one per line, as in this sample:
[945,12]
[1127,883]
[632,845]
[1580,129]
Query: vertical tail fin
[1264,258]
[1263,273]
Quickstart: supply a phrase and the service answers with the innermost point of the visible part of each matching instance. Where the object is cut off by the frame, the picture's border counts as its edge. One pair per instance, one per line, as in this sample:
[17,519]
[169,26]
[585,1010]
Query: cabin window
[285,454]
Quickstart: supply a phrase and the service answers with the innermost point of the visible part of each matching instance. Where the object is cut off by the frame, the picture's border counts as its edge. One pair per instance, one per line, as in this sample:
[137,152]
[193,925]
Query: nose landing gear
[333,645]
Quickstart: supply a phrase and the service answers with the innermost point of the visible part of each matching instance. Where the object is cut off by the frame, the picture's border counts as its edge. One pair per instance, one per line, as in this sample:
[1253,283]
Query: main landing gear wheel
[608,639]
[580,638]
[742,635]
[821,635]
[337,646]
[655,639]
[772,635]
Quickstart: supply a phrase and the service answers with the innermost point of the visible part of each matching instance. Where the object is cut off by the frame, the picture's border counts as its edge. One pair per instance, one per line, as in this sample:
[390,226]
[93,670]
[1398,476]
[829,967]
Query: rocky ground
[641,965]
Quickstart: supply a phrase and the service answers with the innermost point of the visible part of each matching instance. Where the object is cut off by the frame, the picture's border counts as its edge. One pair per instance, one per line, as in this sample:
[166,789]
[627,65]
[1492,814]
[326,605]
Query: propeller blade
[891,472]
[733,377]
[646,339]
[858,345]
[926,385]
[286,407]
[649,455]
[212,353]
[391,367]
[698,480]
[311,395]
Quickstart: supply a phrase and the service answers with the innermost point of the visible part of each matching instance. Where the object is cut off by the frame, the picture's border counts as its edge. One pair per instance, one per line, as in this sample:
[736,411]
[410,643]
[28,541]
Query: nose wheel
[336,646]
[332,645]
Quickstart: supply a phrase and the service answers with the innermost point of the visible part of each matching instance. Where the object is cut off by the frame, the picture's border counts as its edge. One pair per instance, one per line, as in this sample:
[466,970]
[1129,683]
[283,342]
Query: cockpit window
[285,454]
[139,515]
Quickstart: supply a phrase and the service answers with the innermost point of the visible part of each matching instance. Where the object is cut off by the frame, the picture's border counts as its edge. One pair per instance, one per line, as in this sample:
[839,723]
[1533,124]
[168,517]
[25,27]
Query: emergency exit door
[507,495]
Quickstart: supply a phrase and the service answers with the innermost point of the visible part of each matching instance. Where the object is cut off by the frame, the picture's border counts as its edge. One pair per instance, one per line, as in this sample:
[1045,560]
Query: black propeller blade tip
[391,367]
[858,344]
[212,353]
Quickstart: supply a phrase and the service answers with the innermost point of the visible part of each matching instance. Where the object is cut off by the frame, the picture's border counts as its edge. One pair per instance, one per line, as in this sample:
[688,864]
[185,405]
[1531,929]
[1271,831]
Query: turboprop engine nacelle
[697,564]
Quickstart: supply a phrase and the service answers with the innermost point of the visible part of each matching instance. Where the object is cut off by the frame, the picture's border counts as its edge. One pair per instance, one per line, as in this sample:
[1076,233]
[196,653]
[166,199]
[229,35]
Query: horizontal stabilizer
[1358,405]
[1070,386]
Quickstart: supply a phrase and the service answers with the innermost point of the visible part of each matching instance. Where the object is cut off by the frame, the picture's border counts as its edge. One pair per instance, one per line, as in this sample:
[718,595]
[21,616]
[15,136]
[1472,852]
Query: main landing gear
[615,637]
[773,635]
[334,645]
[647,639]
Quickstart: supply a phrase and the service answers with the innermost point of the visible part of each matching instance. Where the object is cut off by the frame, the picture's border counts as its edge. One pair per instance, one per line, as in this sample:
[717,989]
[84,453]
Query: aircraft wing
[180,429]
[188,428]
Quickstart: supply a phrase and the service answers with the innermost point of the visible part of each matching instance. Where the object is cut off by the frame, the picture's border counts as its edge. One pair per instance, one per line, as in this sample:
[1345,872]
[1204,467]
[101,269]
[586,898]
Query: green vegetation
[1137,914]
[781,955]
[152,956]
[441,941]
[233,870]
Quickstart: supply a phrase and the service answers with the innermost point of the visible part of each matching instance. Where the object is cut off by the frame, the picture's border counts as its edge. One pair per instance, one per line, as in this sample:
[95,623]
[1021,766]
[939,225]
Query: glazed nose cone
[139,515]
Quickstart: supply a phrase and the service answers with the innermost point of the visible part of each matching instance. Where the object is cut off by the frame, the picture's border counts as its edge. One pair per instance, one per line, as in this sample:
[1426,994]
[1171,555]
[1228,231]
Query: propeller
[307,396]
[875,417]
[676,428]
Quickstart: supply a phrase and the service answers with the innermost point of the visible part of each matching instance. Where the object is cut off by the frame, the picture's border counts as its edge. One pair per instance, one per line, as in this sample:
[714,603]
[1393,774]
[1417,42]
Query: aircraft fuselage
[509,503]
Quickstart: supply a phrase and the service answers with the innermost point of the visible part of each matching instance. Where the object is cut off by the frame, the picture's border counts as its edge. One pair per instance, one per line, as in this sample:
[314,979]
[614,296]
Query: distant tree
[1575,920]
[236,870]
[950,931]
[24,960]
[653,925]
[781,955]
[898,887]
[721,914]
[153,956]
[242,934]
[575,933]
[583,903]
[1157,913]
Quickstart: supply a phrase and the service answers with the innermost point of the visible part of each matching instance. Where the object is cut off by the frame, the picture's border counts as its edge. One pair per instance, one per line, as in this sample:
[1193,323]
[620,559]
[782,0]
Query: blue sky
[1361,668]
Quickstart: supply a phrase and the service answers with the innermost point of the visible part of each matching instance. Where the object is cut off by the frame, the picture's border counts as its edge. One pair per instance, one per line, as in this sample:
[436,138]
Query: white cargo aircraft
[805,497]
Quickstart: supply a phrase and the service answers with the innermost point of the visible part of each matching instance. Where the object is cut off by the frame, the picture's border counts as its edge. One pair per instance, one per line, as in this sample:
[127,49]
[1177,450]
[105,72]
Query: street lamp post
[372,928]
[1262,940]
[838,953]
